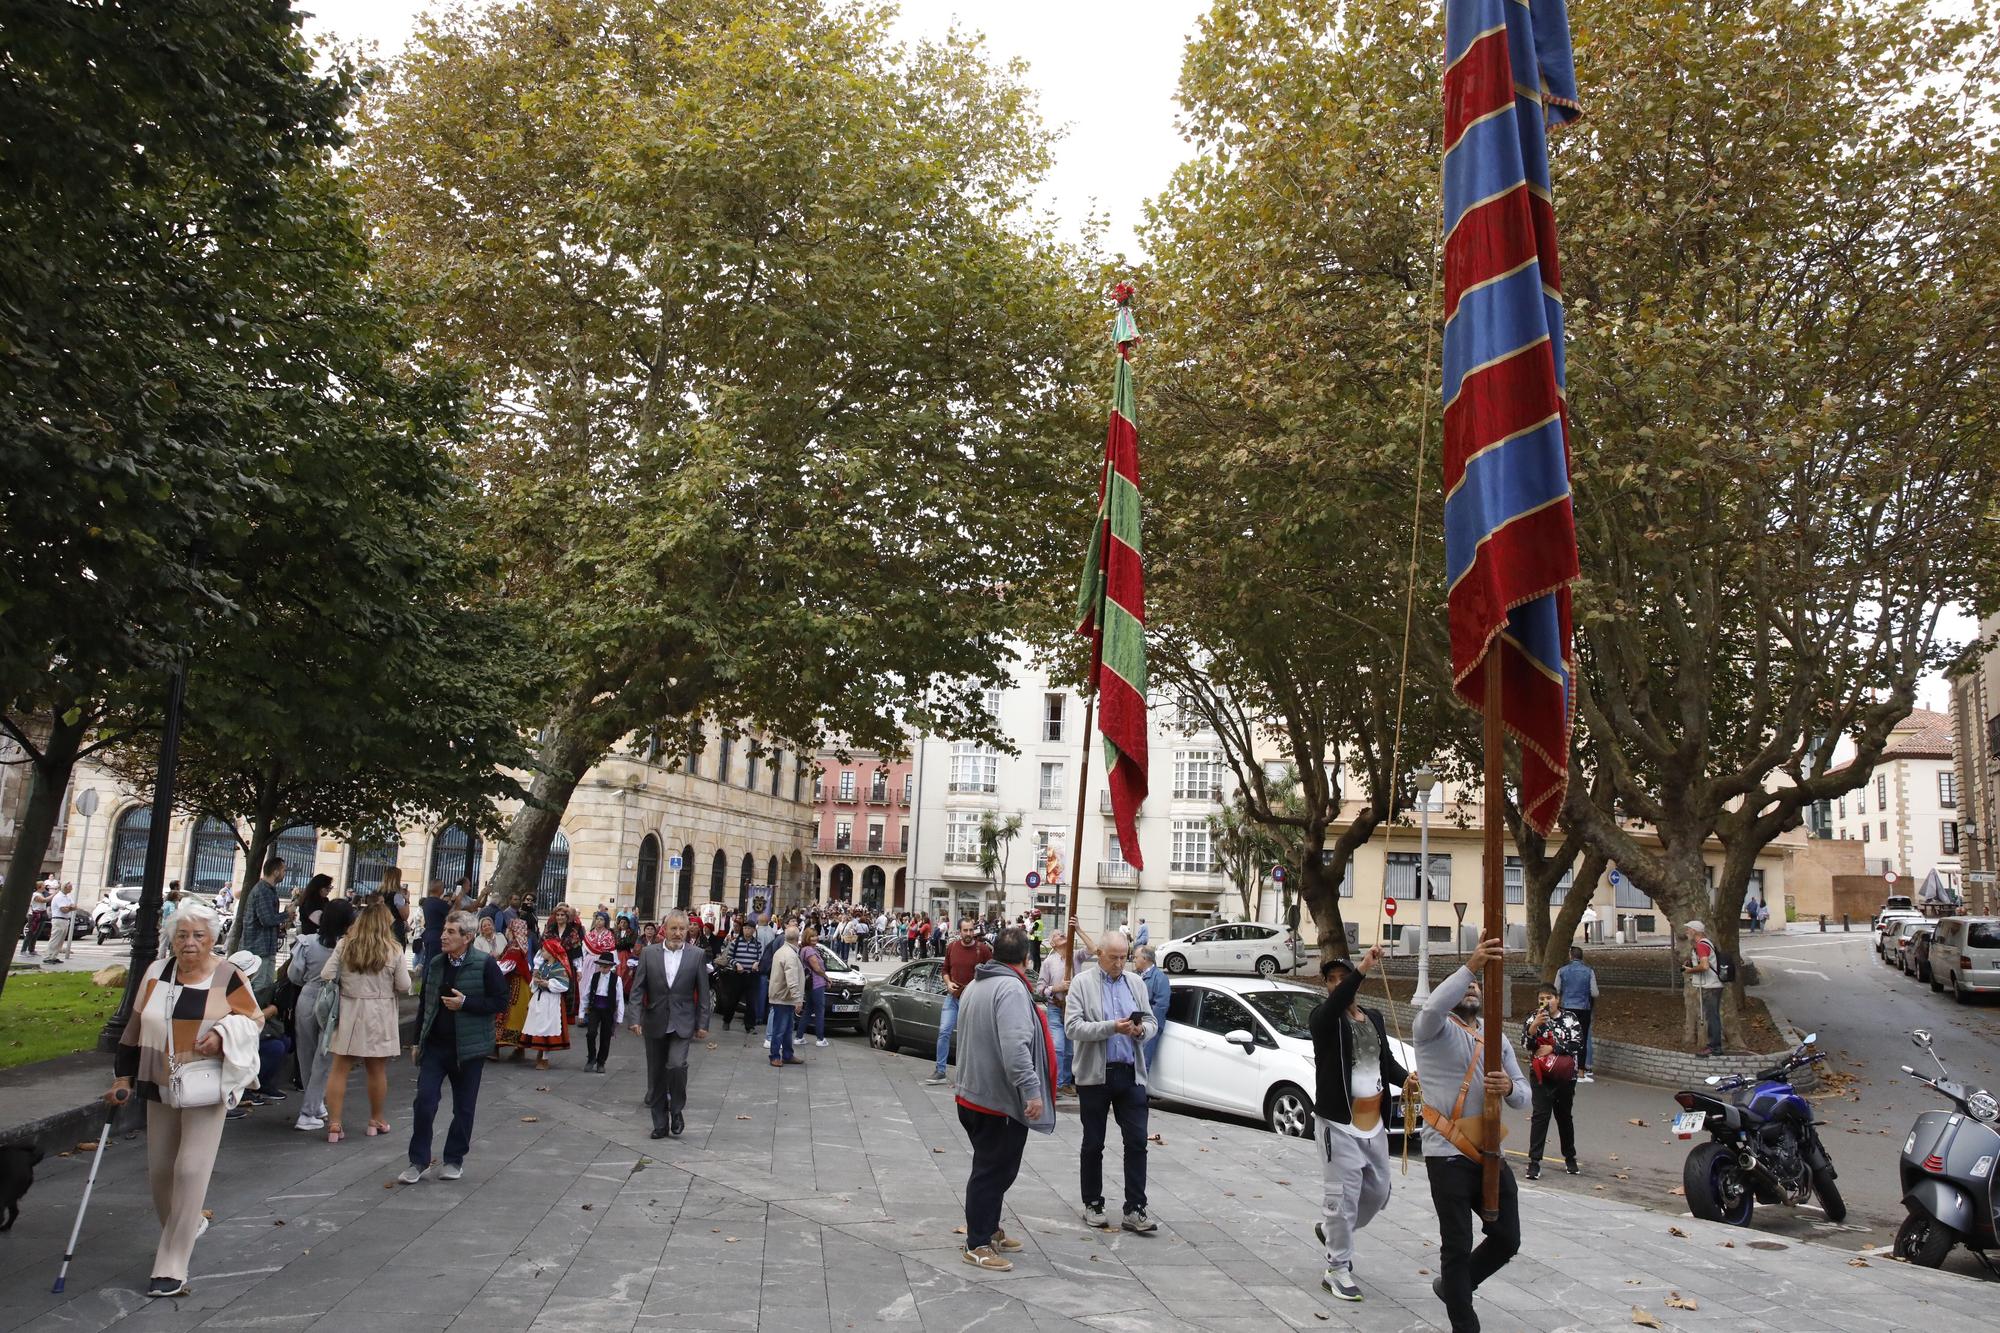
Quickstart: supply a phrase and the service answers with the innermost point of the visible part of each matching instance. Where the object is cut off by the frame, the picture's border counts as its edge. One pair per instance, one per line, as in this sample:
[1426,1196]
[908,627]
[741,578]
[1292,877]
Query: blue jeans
[784,1020]
[1061,1039]
[947,1022]
[439,1064]
[1711,1009]
[815,1012]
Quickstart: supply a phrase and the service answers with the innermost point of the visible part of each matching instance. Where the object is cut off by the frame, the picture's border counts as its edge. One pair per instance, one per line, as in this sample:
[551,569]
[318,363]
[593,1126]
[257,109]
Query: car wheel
[1289,1111]
[1175,964]
[1267,966]
[1958,991]
[880,1035]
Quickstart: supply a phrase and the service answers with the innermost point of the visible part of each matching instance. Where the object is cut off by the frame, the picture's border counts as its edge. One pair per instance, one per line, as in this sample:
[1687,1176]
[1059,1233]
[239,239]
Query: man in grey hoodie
[1450,1061]
[1005,1062]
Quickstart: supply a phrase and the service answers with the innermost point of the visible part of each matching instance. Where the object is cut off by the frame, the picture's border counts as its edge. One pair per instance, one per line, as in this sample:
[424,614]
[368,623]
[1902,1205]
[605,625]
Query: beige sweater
[788,977]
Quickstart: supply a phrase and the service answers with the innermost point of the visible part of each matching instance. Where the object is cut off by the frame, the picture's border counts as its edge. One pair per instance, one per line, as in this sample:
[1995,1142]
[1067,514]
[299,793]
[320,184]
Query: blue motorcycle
[1762,1148]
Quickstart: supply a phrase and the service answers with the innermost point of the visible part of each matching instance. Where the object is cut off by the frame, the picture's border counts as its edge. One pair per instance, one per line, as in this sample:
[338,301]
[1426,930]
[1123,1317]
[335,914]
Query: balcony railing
[1194,868]
[984,786]
[878,798]
[1053,801]
[1213,795]
[850,848]
[1116,872]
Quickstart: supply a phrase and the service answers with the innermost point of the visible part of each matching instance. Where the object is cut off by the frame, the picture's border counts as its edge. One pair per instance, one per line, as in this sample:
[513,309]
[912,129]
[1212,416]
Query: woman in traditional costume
[547,1026]
[516,962]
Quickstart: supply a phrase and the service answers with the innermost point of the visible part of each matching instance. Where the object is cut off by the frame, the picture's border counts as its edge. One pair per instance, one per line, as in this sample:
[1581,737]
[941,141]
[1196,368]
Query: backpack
[770,952]
[1725,966]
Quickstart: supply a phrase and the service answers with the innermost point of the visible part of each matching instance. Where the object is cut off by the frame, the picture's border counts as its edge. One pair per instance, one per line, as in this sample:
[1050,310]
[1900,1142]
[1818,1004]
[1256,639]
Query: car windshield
[835,963]
[1287,1010]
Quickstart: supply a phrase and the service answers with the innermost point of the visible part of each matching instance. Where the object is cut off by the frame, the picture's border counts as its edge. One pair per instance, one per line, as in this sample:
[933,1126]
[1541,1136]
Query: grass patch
[57,1013]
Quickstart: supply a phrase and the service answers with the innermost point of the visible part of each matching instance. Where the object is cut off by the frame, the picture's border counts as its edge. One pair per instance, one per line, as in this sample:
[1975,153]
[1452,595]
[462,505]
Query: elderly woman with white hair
[189,1051]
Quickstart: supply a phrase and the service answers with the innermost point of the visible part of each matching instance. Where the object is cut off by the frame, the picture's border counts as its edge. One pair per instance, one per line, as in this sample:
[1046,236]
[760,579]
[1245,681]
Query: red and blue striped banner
[1510,532]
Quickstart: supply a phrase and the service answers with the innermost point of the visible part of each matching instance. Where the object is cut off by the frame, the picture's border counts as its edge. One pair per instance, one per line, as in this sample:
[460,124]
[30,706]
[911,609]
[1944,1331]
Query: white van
[1965,956]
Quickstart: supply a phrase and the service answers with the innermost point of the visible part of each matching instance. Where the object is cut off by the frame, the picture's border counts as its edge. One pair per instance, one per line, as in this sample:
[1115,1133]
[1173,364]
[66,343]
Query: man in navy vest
[462,991]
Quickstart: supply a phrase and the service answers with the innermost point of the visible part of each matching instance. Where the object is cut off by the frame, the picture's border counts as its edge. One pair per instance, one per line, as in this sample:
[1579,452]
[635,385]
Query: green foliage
[774,369]
[52,1014]
[996,836]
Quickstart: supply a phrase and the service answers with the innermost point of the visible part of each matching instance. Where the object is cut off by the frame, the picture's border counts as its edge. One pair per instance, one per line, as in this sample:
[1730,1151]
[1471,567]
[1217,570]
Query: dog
[17,1173]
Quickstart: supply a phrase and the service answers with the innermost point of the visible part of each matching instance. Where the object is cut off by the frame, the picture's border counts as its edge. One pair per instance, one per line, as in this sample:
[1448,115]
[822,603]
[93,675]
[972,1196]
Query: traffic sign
[1034,880]
[1460,909]
[1389,906]
[1616,879]
[1979,877]
[1278,874]
[674,862]
[1889,875]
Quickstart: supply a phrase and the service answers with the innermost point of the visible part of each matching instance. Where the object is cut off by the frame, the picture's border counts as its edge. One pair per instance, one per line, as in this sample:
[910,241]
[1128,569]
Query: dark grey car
[906,1007]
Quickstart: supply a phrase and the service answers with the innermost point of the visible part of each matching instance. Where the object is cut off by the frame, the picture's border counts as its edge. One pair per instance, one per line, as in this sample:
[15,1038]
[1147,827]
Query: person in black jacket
[1355,1069]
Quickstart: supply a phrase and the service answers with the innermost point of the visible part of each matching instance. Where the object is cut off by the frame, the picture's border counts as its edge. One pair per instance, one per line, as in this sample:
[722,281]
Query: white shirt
[670,962]
[63,904]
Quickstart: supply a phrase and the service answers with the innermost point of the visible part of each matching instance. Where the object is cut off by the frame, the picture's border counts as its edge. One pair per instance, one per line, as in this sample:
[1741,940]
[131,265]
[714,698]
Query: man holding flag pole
[1510,557]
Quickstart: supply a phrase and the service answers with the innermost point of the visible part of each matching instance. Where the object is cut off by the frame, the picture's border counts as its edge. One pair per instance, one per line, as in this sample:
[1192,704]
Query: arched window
[211,857]
[902,888]
[369,863]
[771,876]
[873,881]
[749,878]
[555,875]
[840,884]
[718,875]
[300,848]
[646,882]
[684,891]
[454,852]
[128,847]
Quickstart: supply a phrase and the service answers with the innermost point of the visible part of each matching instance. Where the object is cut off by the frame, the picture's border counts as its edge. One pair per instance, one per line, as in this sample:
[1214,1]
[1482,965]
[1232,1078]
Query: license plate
[1690,1123]
[847,1008]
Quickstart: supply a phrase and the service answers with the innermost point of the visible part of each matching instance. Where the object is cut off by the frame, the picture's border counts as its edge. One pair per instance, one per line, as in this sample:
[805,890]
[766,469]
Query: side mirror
[1908,1070]
[1713,1079]
[1810,1038]
[1239,1037]
[1922,1037]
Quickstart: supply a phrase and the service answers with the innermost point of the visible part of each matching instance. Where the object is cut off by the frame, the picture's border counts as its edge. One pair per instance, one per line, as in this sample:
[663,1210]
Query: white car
[1234,946]
[1894,931]
[1244,1046]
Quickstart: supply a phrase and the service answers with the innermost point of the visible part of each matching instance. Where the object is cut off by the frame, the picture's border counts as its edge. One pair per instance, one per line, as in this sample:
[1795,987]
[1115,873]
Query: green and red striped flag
[1111,597]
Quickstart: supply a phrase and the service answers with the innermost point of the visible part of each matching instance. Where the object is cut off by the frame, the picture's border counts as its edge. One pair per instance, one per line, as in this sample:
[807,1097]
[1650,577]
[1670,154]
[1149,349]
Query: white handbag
[190,1083]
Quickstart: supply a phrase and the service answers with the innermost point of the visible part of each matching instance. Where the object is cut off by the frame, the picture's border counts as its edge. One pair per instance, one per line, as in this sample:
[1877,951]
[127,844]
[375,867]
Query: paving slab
[827,1197]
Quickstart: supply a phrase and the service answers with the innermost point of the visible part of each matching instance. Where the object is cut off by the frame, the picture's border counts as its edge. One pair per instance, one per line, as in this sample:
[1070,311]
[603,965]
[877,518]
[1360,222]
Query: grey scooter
[1947,1171]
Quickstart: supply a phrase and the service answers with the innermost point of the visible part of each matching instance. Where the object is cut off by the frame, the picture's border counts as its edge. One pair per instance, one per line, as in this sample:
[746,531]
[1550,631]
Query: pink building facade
[862,847]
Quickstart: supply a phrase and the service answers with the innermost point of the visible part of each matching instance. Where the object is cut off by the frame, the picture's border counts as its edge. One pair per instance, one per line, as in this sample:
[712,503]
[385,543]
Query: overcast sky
[1105,71]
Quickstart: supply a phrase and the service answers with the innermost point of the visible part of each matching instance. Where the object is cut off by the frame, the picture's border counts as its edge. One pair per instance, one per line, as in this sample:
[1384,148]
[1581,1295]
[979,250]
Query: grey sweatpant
[1354,1176]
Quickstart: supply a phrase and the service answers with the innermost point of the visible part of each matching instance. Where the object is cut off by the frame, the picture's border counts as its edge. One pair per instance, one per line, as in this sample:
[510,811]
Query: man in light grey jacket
[1450,1065]
[1110,1018]
[1005,1062]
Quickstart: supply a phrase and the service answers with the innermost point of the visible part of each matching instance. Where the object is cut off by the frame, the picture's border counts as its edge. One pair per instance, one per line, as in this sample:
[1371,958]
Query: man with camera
[1553,1038]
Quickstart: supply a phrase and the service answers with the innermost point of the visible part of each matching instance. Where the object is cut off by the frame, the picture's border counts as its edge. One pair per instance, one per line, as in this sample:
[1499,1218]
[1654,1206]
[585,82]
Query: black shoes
[660,1133]
[1569,1165]
[1534,1170]
[676,1125]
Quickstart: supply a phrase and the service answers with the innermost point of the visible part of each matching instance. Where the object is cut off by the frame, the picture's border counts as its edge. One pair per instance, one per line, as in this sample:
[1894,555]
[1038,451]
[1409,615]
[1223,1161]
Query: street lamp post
[1426,782]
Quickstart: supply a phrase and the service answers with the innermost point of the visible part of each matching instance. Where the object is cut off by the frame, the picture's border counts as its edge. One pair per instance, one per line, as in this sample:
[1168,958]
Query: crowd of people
[212,1038]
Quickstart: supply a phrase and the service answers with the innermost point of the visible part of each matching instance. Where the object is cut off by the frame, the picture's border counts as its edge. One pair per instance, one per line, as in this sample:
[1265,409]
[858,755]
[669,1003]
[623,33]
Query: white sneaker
[309,1123]
[411,1174]
[820,1042]
[450,1172]
[1586,1078]
[1340,1282]
[1093,1216]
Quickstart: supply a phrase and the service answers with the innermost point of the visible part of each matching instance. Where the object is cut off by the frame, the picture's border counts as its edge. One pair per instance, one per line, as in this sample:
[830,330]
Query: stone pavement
[825,1197]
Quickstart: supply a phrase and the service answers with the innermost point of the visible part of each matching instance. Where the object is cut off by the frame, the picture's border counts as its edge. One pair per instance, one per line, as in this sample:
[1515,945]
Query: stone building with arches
[864,812]
[728,820]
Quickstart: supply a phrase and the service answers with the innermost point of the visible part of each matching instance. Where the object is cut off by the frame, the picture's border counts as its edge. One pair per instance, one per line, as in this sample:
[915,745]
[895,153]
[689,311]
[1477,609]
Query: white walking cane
[96,1160]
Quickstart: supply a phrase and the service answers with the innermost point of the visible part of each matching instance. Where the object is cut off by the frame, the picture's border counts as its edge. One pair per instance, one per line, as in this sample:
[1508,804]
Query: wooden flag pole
[1076,841]
[1493,984]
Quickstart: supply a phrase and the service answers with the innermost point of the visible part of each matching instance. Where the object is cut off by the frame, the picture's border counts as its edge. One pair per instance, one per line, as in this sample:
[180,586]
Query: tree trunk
[50,779]
[254,851]
[1556,939]
[1320,892]
[525,846]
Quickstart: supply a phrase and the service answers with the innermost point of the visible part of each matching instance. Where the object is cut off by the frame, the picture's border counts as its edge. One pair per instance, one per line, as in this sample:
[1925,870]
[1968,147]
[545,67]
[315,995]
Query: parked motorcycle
[1947,1172]
[1762,1148]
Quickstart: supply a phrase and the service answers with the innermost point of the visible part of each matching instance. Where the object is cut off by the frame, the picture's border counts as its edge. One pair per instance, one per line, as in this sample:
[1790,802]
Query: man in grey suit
[674,1004]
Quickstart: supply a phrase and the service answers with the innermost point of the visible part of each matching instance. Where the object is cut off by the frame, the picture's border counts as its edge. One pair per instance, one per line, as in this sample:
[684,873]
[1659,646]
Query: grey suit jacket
[682,1009]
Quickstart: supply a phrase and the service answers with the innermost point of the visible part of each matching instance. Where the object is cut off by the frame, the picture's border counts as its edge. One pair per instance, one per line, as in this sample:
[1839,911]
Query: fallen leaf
[742,1117]
[388,1184]
[1157,1138]
[89,1145]
[717,1231]
[1229,1194]
[1614,1156]
[588,1207]
[1644,1320]
[1676,1231]
[730,1239]
[541,1089]
[958,1231]
[208,1213]
[1319,1314]
[65,1154]
[1680,1190]
[530,1119]
[1640,1123]
[277,1221]
[938,1151]
[1423,1272]
[1622,1175]
[1631,1281]
[1857,1263]
[1676,1301]
[1284,1182]
[1728,1244]
[1597,1187]
[712,1046]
